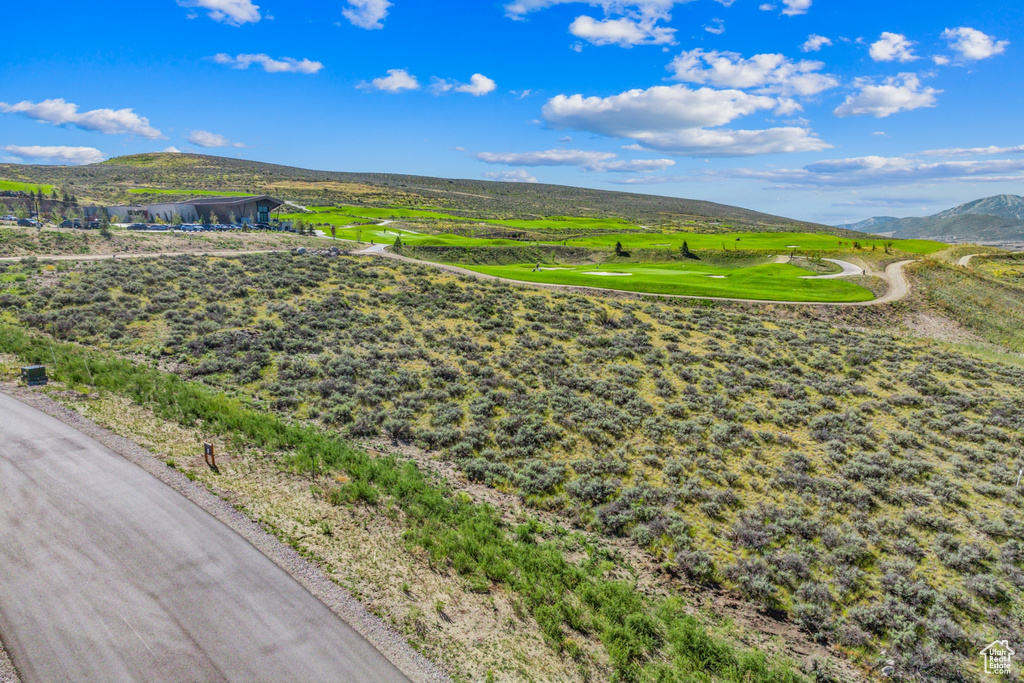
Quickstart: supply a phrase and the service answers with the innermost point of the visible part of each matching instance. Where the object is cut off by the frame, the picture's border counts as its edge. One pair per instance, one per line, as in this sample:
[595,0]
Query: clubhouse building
[200,210]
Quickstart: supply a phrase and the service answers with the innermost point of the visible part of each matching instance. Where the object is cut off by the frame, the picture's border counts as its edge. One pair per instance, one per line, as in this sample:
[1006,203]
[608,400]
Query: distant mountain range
[994,219]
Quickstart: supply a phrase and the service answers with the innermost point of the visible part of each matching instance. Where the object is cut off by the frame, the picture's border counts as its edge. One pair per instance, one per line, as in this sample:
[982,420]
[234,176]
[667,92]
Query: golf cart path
[849,270]
[899,288]
[965,261]
[107,572]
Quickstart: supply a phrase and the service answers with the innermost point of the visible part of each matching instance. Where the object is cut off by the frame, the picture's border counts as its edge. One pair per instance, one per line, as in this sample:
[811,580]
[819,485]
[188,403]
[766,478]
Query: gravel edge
[8,674]
[391,644]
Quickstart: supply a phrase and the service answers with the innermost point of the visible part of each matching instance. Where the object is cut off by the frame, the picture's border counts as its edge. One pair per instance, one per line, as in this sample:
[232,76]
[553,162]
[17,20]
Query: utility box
[34,375]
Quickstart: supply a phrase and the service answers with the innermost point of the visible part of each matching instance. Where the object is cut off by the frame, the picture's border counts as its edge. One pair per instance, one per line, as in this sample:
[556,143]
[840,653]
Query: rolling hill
[120,179]
[993,219]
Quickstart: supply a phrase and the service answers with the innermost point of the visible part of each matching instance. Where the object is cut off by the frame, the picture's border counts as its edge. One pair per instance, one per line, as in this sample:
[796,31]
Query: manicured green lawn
[771,282]
[777,242]
[355,214]
[14,186]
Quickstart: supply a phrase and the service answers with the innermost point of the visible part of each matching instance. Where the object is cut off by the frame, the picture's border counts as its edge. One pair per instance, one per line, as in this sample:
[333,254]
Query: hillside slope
[120,179]
[992,219]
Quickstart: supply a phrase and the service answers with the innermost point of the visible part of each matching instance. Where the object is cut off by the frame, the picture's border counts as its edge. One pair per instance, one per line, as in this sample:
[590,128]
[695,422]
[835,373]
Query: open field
[986,298]
[815,464]
[772,281]
[202,193]
[16,241]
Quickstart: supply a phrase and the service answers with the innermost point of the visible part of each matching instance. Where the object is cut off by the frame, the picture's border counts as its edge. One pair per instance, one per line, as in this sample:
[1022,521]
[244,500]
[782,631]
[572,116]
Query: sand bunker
[555,269]
[792,246]
[609,274]
[717,277]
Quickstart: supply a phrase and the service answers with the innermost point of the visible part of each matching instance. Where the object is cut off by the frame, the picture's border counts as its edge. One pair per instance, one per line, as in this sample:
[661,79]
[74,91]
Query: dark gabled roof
[229,201]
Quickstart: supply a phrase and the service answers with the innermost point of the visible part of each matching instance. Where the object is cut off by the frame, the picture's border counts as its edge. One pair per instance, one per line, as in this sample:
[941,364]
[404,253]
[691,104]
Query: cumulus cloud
[876,170]
[368,14]
[624,32]
[204,138]
[396,81]
[676,119]
[517,176]
[69,155]
[626,22]
[973,45]
[518,9]
[171,150]
[661,108]
[269,64]
[600,162]
[814,43]
[795,7]
[895,94]
[478,85]
[551,157]
[61,113]
[973,151]
[768,73]
[859,172]
[892,47]
[233,12]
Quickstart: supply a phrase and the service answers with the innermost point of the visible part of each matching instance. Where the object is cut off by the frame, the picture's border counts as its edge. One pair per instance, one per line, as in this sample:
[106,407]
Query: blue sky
[816,109]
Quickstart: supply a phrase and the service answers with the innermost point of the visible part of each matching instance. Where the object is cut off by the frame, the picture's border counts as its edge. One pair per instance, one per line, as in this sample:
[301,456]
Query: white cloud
[633,166]
[396,81]
[622,32]
[662,108]
[478,85]
[551,157]
[600,162]
[941,60]
[518,176]
[715,27]
[439,86]
[233,12]
[766,7]
[874,170]
[60,113]
[768,73]
[973,151]
[814,43]
[676,119]
[972,44]
[626,22]
[269,64]
[205,138]
[518,9]
[860,172]
[795,7]
[368,14]
[895,94]
[892,47]
[69,155]
[171,150]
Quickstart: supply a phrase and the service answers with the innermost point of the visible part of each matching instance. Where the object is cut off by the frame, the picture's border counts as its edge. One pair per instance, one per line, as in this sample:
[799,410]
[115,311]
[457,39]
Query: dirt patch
[934,326]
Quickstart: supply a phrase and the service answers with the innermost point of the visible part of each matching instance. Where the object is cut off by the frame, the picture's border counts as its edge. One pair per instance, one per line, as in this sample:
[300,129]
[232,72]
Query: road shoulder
[392,645]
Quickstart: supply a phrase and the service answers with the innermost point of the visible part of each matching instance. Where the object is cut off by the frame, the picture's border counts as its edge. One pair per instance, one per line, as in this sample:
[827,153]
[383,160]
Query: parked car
[262,226]
[92,225]
[138,226]
[27,223]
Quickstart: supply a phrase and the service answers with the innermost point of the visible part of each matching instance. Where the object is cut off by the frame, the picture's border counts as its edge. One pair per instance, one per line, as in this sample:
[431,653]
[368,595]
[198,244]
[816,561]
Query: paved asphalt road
[106,574]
